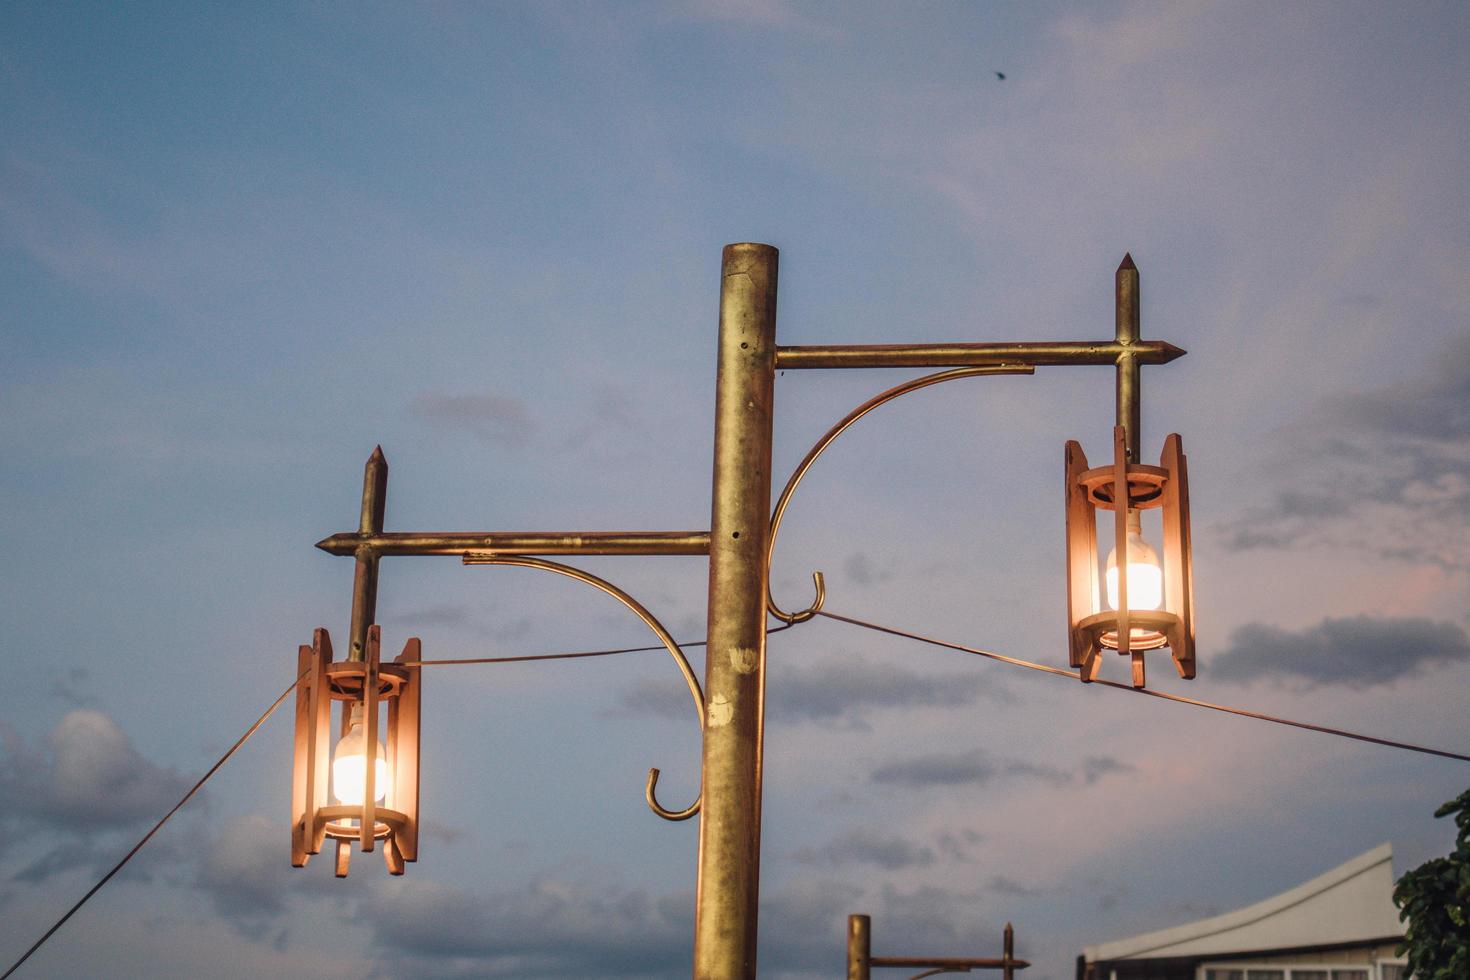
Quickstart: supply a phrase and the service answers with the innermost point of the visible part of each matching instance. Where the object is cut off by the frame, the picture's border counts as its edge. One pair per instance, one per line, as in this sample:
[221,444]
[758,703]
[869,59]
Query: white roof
[1351,903]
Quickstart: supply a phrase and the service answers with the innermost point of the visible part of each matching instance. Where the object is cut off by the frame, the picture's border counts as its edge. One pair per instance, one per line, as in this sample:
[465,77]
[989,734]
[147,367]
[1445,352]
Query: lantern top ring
[344,680]
[1145,486]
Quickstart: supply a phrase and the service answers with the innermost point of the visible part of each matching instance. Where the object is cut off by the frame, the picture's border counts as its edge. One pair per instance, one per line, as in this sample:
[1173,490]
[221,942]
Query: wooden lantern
[1094,628]
[367,683]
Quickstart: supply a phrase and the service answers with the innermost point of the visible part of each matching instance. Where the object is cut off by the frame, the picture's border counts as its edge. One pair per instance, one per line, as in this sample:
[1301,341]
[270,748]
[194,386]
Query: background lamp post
[860,958]
[731,704]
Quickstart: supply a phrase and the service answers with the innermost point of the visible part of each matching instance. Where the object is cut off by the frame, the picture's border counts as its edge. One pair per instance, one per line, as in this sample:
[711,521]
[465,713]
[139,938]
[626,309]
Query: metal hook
[650,795]
[652,623]
[821,445]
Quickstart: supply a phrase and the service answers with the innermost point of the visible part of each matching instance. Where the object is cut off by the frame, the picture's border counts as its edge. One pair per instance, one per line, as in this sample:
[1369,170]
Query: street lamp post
[738,544]
[860,958]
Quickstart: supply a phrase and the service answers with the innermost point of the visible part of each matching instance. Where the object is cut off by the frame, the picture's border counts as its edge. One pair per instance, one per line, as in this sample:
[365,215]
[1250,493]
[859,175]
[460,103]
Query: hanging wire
[1242,712]
[864,624]
[149,836]
[256,727]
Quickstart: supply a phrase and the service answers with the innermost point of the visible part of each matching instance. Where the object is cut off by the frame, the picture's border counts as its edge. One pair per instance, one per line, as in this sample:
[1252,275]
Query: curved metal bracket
[652,623]
[882,398]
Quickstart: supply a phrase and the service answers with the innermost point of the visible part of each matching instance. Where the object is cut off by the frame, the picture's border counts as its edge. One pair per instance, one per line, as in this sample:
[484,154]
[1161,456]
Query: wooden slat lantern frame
[367,682]
[1093,628]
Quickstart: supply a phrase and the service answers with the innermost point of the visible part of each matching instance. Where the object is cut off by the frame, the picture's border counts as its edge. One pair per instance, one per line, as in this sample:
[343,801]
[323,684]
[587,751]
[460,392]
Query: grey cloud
[88,777]
[611,410]
[803,923]
[861,845]
[69,688]
[977,769]
[1046,774]
[940,921]
[660,698]
[1002,885]
[1359,652]
[554,928]
[1095,767]
[497,419]
[862,569]
[243,872]
[69,796]
[957,845]
[817,693]
[1380,471]
[547,928]
[938,770]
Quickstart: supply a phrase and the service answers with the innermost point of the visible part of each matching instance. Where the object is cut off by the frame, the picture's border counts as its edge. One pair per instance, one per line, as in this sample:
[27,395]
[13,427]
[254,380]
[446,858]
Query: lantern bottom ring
[1148,629]
[337,827]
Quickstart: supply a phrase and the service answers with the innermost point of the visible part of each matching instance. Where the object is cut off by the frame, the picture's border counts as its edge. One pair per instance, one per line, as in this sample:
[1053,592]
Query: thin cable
[256,727]
[1242,712]
[149,836]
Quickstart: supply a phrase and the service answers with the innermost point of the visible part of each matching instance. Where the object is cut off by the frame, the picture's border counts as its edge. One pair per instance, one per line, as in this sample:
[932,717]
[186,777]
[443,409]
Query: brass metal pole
[1066,352]
[365,578]
[1129,362]
[727,894]
[461,543]
[859,946]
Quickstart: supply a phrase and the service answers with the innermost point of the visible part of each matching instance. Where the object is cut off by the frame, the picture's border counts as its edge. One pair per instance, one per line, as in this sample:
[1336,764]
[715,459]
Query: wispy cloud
[548,928]
[862,845]
[824,693]
[1380,471]
[977,768]
[497,419]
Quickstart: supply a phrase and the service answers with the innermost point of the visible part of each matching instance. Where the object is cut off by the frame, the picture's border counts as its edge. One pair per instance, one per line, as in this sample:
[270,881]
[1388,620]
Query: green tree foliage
[1434,899]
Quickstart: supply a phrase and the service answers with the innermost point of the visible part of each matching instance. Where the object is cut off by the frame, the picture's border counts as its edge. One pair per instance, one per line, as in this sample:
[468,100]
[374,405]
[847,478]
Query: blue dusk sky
[242,244]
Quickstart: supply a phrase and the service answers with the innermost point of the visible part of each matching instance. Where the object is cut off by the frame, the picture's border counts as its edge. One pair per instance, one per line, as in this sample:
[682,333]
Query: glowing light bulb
[1145,573]
[349,765]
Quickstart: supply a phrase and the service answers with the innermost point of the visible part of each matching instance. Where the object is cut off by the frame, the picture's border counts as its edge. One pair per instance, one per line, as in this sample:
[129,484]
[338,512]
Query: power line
[876,627]
[256,727]
[149,836]
[1242,712]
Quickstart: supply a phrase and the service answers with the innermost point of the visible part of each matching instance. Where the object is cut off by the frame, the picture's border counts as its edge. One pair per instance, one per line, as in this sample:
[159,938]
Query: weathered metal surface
[859,947]
[1071,352]
[365,578]
[1130,378]
[727,894]
[461,543]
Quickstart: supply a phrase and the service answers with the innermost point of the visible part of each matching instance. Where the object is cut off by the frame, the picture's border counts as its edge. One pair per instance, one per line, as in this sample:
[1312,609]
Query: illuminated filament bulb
[1145,574]
[349,765]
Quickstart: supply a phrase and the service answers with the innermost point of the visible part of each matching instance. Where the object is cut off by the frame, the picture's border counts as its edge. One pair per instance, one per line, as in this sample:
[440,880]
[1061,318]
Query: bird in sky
[1000,75]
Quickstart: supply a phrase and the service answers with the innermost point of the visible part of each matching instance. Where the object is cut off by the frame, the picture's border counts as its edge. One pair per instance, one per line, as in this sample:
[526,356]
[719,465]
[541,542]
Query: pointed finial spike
[1127,263]
[377,455]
